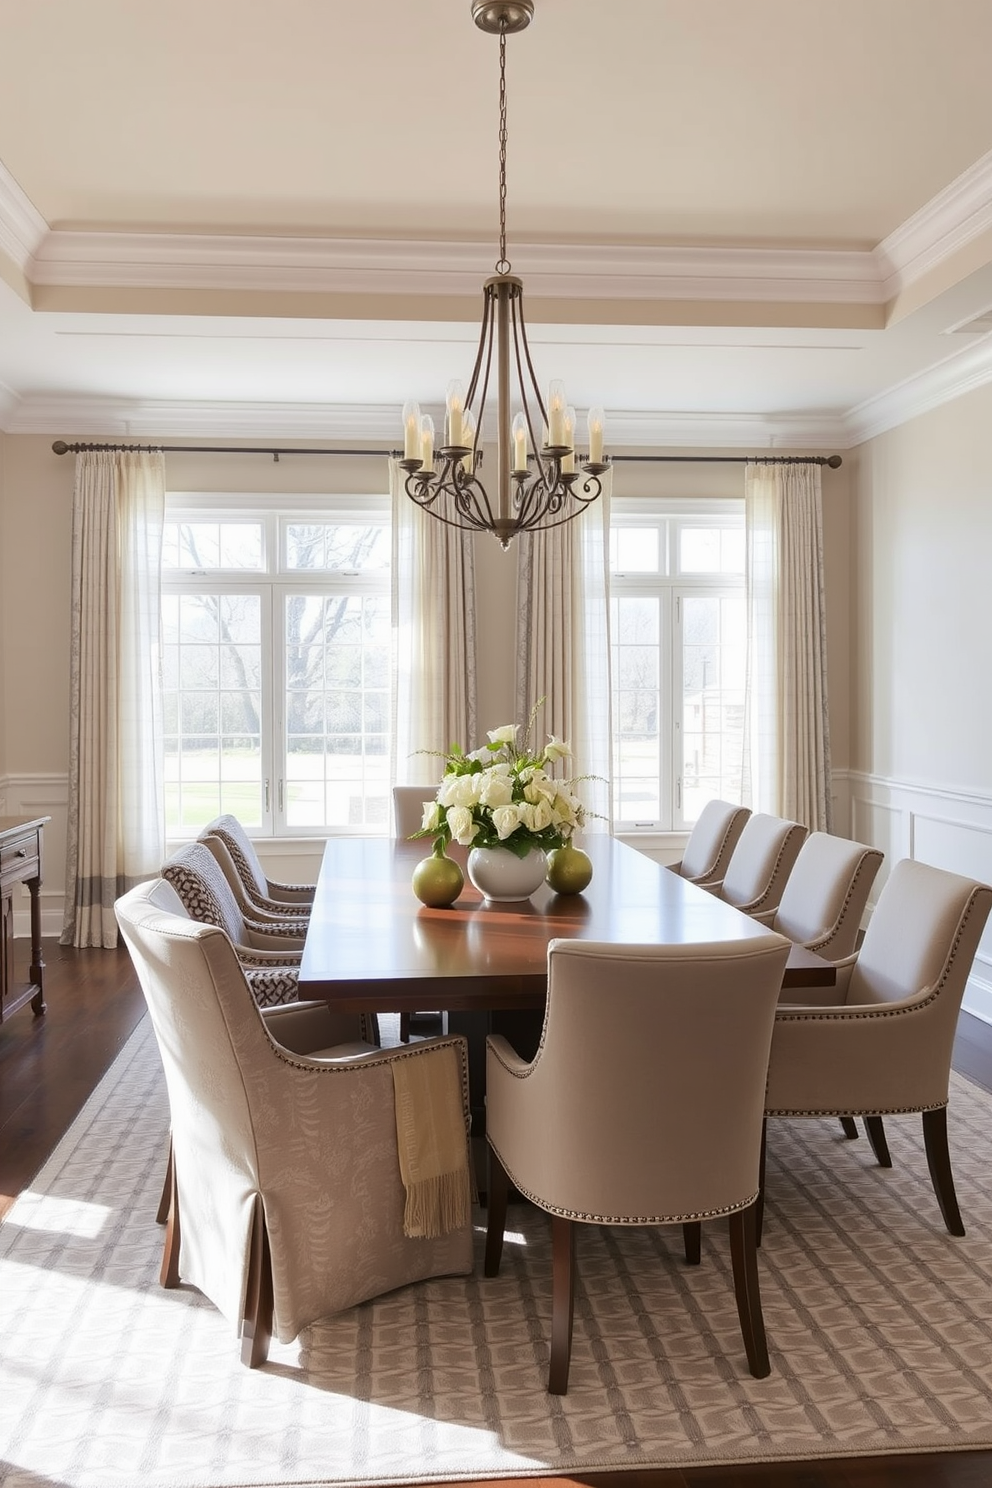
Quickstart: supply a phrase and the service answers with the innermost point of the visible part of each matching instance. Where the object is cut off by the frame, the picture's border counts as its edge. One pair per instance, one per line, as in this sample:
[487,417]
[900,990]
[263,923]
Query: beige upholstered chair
[288,1203]
[711,842]
[822,905]
[292,918]
[888,1048]
[605,1129]
[269,954]
[267,894]
[760,864]
[408,808]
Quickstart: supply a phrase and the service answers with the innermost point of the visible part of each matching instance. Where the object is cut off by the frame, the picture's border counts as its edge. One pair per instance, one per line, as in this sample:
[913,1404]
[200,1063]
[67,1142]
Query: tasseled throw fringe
[436,1206]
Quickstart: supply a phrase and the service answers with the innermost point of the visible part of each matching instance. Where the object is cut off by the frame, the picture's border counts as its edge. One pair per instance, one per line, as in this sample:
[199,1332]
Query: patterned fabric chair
[266,893]
[290,1198]
[664,1128]
[888,1048]
[269,954]
[292,919]
[711,842]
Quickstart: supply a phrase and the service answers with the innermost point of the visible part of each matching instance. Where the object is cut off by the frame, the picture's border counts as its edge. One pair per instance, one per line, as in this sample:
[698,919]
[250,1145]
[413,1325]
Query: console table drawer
[20,859]
[20,863]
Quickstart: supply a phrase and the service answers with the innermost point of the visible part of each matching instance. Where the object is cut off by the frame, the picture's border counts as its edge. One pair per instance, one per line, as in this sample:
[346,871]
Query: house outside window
[678,625]
[277,663]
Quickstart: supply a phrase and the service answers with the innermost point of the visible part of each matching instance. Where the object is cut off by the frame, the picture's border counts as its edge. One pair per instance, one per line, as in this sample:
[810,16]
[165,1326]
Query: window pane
[713,662]
[212,708]
[634,549]
[340,547]
[711,549]
[636,709]
[337,711]
[213,544]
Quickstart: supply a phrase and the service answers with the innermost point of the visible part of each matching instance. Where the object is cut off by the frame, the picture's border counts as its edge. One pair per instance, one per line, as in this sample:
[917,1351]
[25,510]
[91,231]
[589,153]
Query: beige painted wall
[35,527]
[922,540]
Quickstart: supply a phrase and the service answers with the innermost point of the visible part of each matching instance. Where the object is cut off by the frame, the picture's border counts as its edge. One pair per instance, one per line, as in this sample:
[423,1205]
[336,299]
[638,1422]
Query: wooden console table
[20,863]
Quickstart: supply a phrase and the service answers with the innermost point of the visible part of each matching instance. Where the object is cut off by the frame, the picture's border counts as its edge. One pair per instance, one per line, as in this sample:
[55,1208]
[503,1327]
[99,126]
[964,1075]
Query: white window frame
[274,582]
[670,587]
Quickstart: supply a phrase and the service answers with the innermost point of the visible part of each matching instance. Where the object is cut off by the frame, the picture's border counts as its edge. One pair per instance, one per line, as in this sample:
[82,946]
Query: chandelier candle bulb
[411,431]
[468,437]
[556,414]
[456,406]
[427,443]
[568,461]
[519,443]
[596,421]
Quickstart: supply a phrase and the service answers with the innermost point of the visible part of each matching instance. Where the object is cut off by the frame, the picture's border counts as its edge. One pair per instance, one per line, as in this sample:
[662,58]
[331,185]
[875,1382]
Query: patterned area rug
[879,1327]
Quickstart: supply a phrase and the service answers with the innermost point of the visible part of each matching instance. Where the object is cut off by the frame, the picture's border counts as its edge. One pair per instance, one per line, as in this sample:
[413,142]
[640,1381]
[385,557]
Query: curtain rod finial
[835,462]
[60,447]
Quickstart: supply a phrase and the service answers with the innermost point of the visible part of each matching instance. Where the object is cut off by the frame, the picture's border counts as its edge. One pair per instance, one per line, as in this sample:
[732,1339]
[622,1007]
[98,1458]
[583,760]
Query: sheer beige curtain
[563,644]
[433,578]
[116,834]
[787,741]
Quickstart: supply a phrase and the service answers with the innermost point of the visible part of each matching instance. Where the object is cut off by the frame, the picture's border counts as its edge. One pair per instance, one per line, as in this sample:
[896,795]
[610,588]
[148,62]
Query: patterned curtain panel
[563,644]
[116,834]
[787,739]
[434,661]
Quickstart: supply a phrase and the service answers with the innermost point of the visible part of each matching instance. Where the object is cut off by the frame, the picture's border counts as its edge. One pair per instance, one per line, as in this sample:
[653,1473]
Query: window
[276,664]
[678,637]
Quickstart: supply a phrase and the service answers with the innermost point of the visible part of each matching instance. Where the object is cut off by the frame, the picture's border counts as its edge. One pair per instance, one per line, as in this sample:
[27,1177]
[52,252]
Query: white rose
[459,790]
[432,816]
[480,754]
[526,811]
[506,819]
[505,735]
[543,816]
[556,749]
[461,825]
[496,789]
[540,787]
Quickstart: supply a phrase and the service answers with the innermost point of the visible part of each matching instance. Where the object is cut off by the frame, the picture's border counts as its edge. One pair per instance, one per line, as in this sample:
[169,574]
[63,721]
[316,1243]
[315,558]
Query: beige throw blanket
[433,1144]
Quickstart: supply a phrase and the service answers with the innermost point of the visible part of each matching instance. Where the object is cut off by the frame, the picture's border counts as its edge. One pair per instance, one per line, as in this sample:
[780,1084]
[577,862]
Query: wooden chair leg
[162,1213]
[496,1202]
[759,1207]
[939,1163]
[744,1256]
[875,1127]
[692,1240]
[256,1326]
[169,1273]
[562,1302]
[404,1028]
[850,1128]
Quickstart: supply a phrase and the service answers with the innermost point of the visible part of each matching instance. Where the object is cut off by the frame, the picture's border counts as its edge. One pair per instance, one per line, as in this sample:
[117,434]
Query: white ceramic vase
[500,875]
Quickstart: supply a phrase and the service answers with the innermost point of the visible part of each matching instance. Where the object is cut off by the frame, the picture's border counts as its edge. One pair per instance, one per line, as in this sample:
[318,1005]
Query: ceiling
[762,225]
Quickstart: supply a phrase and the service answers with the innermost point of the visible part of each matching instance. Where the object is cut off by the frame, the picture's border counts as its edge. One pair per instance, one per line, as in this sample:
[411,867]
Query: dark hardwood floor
[49,1065]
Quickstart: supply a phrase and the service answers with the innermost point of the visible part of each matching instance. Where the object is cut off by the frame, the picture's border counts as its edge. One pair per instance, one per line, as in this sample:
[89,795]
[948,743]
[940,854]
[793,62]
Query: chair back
[205,893]
[921,939]
[242,851]
[712,840]
[761,862]
[408,808]
[826,894]
[649,1082]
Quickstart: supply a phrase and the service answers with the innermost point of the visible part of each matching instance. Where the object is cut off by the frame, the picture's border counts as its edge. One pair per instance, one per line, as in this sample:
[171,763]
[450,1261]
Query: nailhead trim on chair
[755,905]
[820,945]
[620,1219]
[249,878]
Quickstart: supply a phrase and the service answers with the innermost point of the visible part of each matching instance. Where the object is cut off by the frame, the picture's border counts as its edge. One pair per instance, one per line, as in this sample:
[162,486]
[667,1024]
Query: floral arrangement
[502,795]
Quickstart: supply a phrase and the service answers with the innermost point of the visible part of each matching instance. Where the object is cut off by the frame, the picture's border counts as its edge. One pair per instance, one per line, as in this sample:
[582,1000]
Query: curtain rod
[61,448]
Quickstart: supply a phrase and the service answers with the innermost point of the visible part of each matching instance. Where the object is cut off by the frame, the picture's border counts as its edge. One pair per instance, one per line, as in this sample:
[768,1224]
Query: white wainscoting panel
[946,828]
[41,795]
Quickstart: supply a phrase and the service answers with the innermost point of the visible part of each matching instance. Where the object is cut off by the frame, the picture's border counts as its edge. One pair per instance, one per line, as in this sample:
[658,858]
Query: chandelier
[537,483]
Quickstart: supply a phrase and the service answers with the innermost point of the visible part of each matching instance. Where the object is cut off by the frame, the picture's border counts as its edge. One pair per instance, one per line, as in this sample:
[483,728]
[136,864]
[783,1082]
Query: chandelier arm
[485,341]
[520,334]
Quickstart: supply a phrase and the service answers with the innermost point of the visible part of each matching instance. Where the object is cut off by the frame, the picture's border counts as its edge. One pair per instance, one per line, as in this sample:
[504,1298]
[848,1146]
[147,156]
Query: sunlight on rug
[879,1329]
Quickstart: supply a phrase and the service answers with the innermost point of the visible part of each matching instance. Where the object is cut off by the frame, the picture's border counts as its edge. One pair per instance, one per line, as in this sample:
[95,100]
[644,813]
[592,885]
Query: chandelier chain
[503,264]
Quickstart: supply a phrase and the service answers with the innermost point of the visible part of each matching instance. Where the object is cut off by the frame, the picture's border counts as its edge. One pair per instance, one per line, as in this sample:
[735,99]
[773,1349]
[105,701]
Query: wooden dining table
[372,946]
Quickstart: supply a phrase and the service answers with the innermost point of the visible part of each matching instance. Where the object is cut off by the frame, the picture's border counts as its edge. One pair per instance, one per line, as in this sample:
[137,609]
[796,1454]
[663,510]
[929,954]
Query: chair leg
[496,1201]
[691,1239]
[850,1127]
[744,1256]
[562,1302]
[256,1325]
[162,1213]
[404,1028]
[168,1275]
[939,1163]
[875,1127]
[759,1206]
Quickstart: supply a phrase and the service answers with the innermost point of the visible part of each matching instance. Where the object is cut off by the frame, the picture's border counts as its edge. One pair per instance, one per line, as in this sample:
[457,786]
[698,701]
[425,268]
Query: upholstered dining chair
[600,1128]
[269,954]
[822,906]
[887,1049]
[300,1172]
[266,893]
[711,842]
[760,864]
[292,918]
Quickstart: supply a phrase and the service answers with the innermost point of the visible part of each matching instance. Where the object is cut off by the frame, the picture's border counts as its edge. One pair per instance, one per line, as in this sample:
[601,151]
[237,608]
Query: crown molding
[22,227]
[941,228]
[956,375]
